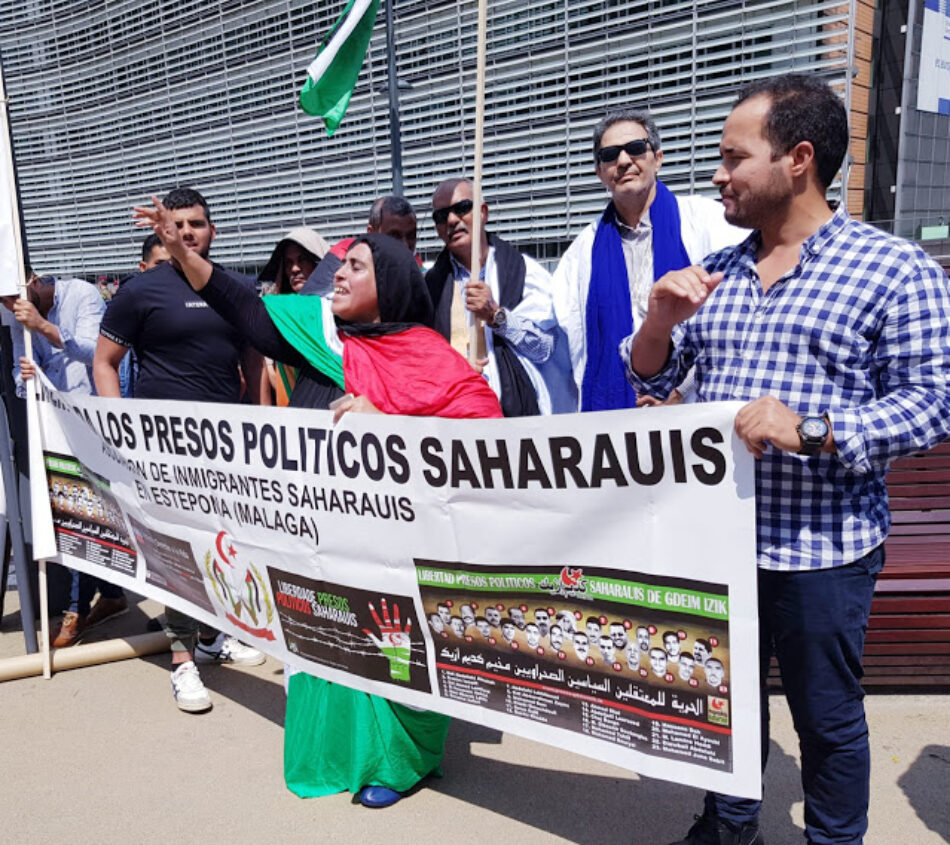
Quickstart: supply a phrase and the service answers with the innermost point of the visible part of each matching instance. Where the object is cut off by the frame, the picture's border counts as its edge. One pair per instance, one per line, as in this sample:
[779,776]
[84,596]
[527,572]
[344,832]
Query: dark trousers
[815,623]
[83,590]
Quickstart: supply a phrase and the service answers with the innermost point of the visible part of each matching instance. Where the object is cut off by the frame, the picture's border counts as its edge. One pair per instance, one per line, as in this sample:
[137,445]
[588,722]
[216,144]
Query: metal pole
[395,136]
[9,474]
[15,525]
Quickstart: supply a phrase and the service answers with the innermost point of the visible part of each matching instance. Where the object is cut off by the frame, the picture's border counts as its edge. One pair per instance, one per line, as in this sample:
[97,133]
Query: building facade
[908,185]
[114,100]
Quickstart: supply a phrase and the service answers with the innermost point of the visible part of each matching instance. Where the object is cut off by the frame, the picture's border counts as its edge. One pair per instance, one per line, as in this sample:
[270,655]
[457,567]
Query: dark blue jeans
[814,623]
[83,590]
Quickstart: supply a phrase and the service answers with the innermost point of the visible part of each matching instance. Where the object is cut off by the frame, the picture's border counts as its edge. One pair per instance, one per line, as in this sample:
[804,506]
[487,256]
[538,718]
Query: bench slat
[901,648]
[910,604]
[906,635]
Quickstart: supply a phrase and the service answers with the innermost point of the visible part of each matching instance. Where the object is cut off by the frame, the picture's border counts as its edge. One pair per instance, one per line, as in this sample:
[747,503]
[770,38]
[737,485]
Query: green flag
[307,324]
[332,75]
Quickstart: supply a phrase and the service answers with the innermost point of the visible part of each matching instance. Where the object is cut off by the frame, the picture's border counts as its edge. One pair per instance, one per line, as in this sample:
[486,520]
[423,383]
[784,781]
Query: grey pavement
[101,754]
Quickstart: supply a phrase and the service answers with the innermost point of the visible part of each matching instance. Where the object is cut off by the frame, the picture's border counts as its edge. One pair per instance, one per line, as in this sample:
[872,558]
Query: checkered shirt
[858,331]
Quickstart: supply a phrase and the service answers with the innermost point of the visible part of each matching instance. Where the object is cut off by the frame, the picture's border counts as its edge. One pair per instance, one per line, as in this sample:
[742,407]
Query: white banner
[933,82]
[584,580]
[9,222]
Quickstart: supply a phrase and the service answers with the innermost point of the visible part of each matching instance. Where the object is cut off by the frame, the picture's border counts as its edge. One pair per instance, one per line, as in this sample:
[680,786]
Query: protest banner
[11,258]
[584,580]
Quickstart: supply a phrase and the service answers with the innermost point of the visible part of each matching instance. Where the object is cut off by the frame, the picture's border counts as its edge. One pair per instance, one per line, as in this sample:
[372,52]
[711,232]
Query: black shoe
[709,830]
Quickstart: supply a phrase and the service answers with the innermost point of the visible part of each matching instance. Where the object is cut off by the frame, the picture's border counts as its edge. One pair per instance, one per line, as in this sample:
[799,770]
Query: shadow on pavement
[262,696]
[927,784]
[593,809]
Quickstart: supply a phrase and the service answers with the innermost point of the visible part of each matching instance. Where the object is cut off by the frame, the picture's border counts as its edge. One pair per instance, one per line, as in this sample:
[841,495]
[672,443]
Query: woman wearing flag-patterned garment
[381,351]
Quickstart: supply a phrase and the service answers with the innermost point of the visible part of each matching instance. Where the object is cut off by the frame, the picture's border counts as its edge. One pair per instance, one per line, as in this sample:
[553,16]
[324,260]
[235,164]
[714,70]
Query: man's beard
[759,204]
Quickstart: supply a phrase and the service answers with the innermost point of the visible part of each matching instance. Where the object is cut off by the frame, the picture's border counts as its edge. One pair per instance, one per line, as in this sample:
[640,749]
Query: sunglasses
[460,209]
[634,149]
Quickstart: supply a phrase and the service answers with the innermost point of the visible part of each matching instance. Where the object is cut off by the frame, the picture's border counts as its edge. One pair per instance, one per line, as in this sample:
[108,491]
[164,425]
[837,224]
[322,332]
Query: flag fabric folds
[332,75]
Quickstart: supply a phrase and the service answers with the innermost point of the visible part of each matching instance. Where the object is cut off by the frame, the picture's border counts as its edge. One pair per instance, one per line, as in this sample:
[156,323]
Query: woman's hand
[356,404]
[161,222]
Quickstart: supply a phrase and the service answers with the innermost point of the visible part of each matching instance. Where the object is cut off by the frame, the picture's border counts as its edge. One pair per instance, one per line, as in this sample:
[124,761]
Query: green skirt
[337,739]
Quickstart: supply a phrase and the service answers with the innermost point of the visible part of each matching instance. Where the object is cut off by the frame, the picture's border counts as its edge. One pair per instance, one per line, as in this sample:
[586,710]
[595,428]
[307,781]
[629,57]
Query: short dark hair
[803,108]
[641,116]
[185,197]
[148,245]
[390,204]
[449,186]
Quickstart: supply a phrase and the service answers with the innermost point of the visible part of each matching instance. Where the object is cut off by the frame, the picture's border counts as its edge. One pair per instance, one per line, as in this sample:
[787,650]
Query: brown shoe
[106,609]
[70,630]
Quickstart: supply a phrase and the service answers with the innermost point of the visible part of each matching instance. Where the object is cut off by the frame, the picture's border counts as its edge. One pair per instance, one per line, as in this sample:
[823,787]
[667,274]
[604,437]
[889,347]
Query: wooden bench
[908,642]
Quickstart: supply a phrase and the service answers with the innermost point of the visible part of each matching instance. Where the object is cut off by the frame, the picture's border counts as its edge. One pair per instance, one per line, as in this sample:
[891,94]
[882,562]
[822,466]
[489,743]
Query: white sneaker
[227,649]
[190,693]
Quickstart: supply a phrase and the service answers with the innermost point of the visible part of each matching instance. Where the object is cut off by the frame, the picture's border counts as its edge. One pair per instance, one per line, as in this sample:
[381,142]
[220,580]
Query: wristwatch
[812,431]
[499,318]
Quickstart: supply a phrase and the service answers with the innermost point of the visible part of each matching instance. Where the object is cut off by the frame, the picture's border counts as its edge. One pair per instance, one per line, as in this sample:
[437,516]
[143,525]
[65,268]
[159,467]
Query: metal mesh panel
[113,101]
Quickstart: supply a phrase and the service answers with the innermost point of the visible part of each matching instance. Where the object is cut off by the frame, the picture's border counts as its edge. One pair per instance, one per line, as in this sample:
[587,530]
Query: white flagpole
[37,501]
[35,448]
[476,340]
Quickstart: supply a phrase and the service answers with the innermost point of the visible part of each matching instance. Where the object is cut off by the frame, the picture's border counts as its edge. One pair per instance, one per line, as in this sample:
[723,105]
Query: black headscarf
[400,288]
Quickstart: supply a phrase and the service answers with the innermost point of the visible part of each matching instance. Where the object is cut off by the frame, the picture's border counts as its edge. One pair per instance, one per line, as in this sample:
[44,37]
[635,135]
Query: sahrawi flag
[332,75]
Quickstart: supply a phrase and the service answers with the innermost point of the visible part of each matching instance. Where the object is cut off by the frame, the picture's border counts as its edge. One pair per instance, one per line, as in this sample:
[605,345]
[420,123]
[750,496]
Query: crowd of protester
[835,334]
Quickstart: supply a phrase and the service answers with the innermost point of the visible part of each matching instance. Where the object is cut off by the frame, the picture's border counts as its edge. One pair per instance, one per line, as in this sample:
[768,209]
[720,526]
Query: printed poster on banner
[642,662]
[582,580]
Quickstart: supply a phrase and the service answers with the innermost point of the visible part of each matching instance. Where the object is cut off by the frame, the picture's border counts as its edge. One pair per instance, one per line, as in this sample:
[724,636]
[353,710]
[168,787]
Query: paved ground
[102,755]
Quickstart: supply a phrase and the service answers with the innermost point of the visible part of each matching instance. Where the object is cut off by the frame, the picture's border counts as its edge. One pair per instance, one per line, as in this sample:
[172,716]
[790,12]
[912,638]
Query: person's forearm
[106,378]
[651,349]
[51,333]
[527,339]
[243,309]
[196,269]
[255,377]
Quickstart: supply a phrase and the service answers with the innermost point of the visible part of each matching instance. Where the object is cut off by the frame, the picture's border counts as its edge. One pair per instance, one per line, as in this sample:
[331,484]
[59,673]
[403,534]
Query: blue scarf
[609,310]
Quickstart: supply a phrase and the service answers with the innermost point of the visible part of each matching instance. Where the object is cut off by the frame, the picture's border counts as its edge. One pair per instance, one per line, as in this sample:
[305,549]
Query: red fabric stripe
[416,373]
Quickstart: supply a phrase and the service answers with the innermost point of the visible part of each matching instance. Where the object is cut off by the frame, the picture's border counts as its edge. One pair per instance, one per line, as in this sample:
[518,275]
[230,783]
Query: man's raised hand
[674,298]
[679,294]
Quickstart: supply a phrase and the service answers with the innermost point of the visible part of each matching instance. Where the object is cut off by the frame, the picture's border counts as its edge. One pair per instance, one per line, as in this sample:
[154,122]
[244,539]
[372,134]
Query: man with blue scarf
[602,284]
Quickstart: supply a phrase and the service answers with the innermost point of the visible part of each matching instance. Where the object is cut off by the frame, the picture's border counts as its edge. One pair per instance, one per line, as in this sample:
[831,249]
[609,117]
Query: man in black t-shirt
[185,352]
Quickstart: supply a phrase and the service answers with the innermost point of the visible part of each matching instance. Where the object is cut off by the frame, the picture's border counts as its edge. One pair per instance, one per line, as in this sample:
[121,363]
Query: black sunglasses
[460,209]
[634,149]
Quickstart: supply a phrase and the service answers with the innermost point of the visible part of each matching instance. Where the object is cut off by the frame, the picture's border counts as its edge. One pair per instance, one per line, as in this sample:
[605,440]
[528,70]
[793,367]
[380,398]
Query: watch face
[814,427]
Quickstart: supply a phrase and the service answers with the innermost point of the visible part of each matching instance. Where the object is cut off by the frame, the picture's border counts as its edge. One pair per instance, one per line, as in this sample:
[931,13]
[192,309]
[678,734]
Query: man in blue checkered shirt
[838,337]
